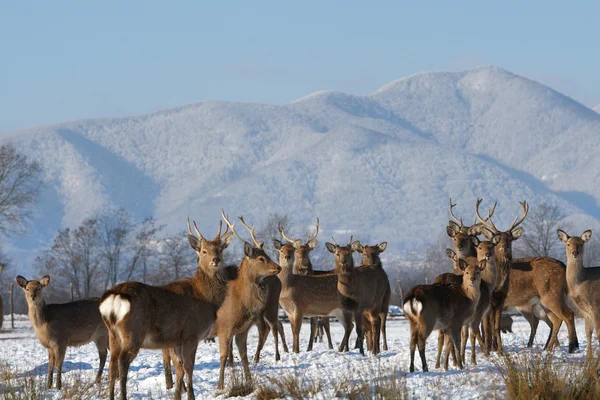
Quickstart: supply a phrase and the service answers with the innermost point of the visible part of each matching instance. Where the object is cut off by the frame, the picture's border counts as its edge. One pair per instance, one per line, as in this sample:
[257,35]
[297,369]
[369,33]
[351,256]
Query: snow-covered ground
[20,349]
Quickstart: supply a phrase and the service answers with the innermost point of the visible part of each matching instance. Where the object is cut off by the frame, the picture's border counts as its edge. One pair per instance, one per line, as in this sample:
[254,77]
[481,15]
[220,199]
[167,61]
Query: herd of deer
[226,301]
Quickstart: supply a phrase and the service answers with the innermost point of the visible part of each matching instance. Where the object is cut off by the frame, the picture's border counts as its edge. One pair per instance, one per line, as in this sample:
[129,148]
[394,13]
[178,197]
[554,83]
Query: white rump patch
[417,306]
[115,305]
[413,307]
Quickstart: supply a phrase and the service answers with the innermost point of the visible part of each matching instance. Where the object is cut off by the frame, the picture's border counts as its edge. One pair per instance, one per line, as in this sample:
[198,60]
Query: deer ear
[562,235]
[450,231]
[495,240]
[356,246]
[462,264]
[297,243]
[248,249]
[45,281]
[587,235]
[382,246]
[194,242]
[226,240]
[516,233]
[330,247]
[475,230]
[450,253]
[487,233]
[475,240]
[482,265]
[277,244]
[313,244]
[22,282]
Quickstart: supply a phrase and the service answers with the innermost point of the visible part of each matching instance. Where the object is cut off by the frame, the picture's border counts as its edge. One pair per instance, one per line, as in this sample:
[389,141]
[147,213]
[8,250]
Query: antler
[316,224]
[283,234]
[218,236]
[232,226]
[251,230]
[199,235]
[454,216]
[491,210]
[525,208]
[334,242]
[350,242]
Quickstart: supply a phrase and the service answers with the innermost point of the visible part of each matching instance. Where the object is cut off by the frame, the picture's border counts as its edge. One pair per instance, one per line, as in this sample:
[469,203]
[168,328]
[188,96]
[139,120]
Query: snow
[370,165]
[21,351]
[597,108]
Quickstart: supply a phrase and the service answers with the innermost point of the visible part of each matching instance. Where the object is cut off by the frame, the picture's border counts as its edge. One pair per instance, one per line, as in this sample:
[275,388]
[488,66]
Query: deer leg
[477,335]
[282,334]
[347,323]
[189,356]
[177,356]
[589,329]
[359,330]
[464,336]
[421,339]
[313,330]
[296,322]
[327,329]
[225,344]
[497,325]
[533,321]
[51,361]
[263,332]
[125,359]
[448,350]
[241,343]
[455,335]
[413,345]
[383,317]
[60,358]
[167,368]
[102,346]
[113,365]
[275,334]
[441,341]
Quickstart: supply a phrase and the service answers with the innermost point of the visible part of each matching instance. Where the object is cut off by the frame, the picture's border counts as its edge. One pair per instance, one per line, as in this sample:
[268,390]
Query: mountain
[381,166]
[597,108]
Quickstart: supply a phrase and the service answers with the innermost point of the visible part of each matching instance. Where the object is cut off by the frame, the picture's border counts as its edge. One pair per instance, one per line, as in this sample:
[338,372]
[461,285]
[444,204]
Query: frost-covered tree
[539,232]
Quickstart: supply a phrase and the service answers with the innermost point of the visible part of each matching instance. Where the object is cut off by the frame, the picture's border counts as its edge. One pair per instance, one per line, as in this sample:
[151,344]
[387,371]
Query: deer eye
[261,259]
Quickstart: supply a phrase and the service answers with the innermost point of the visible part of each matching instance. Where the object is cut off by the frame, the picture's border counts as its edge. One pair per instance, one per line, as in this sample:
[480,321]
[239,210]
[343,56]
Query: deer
[371,256]
[175,316]
[361,292]
[304,266]
[246,298]
[308,295]
[584,284]
[445,307]
[527,281]
[59,326]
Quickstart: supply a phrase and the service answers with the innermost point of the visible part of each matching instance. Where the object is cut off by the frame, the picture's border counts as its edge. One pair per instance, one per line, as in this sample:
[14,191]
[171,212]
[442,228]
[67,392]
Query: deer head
[461,234]
[503,247]
[343,255]
[33,289]
[574,245]
[370,254]
[210,252]
[256,264]
[303,250]
[472,272]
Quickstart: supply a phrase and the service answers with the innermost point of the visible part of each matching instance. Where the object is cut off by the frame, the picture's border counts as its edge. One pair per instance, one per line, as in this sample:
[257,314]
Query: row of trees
[110,248]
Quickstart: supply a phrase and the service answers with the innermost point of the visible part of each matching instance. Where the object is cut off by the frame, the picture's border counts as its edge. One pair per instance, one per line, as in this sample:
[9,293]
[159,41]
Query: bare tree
[176,258]
[270,231]
[539,232]
[20,182]
[114,227]
[142,247]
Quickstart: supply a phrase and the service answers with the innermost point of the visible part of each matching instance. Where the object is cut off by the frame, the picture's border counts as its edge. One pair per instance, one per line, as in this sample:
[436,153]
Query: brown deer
[584,284]
[527,281]
[174,316]
[59,326]
[308,295]
[361,291]
[371,256]
[246,298]
[445,307]
[304,266]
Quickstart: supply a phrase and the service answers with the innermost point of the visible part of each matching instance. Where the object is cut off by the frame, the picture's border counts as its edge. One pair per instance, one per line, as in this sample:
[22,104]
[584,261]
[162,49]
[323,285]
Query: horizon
[71,67]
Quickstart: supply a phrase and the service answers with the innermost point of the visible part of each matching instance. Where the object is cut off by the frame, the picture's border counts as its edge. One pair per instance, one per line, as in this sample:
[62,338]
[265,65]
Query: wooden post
[12,303]
[71,287]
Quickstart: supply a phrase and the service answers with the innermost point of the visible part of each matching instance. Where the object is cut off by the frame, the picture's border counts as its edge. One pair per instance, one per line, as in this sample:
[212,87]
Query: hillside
[381,166]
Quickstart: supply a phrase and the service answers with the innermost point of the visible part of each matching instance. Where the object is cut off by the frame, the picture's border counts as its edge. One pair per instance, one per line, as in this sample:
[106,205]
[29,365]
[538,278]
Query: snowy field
[20,349]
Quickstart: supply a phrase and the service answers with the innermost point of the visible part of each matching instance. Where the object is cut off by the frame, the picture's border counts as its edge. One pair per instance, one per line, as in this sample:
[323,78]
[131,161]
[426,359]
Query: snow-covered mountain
[597,108]
[381,166]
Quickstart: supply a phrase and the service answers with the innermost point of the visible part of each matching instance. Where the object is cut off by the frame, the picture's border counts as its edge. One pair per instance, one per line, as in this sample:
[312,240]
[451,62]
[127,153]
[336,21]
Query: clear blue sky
[65,60]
